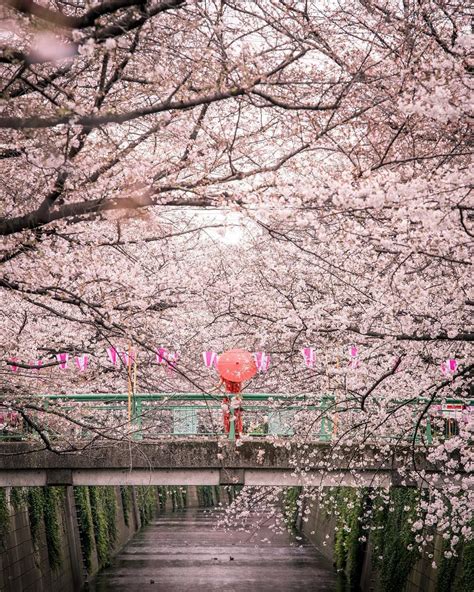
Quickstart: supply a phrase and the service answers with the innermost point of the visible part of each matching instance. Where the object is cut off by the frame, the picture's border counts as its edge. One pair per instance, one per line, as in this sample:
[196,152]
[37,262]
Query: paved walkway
[181,552]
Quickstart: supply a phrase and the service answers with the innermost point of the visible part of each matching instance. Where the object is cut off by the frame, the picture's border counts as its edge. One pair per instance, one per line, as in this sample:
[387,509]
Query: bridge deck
[211,461]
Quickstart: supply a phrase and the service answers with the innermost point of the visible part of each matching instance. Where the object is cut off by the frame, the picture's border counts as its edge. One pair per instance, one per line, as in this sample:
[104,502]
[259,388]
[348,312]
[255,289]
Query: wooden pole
[335,416]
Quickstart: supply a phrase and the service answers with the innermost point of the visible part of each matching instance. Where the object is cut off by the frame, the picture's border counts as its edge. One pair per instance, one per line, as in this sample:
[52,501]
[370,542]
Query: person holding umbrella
[234,367]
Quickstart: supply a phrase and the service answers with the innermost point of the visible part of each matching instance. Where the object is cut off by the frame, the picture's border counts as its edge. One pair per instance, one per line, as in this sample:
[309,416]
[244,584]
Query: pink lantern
[127,359]
[262,360]
[81,362]
[309,356]
[210,359]
[172,360]
[354,357]
[448,367]
[62,358]
[112,353]
[161,355]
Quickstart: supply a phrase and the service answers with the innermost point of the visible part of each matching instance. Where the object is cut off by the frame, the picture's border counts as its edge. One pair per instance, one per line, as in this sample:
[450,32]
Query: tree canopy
[269,174]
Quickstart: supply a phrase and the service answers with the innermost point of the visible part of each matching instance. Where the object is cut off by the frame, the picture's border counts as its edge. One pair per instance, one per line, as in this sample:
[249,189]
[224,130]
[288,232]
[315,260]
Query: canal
[183,551]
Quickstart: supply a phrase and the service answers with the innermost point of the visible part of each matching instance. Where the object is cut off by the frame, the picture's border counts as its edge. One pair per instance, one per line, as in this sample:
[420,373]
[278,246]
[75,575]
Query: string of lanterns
[170,359]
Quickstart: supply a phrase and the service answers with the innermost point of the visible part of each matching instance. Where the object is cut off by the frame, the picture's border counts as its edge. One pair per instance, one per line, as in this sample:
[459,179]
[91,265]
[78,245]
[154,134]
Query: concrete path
[182,552]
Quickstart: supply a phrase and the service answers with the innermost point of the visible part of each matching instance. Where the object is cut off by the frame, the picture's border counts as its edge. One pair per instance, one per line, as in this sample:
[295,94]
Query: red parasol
[236,365]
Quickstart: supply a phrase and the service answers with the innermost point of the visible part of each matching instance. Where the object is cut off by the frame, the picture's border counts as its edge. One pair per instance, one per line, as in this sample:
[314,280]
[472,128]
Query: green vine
[42,505]
[110,509]
[147,502]
[162,496]
[100,521]
[35,506]
[290,507]
[18,497]
[126,497]
[397,543]
[4,514]
[465,580]
[446,570]
[206,496]
[348,549]
[85,523]
[391,535]
[52,496]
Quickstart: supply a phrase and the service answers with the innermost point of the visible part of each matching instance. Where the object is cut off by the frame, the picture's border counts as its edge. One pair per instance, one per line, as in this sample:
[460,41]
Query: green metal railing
[200,414]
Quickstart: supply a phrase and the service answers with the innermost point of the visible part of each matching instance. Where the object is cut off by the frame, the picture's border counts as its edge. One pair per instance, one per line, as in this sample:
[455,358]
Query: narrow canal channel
[182,552]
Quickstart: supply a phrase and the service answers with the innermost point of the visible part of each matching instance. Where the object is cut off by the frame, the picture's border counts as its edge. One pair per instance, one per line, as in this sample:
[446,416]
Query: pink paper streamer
[309,356]
[262,361]
[82,362]
[112,353]
[62,358]
[210,359]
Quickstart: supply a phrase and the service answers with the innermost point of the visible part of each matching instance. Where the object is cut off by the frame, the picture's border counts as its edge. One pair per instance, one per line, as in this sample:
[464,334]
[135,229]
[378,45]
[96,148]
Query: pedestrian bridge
[205,461]
[178,439]
[143,416]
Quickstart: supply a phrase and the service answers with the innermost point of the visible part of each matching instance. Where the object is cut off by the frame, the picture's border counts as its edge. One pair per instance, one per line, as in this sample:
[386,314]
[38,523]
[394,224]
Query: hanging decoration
[172,360]
[62,358]
[262,361]
[113,355]
[236,361]
[448,367]
[169,359]
[161,355]
[354,357]
[210,359]
[127,358]
[309,356]
[82,362]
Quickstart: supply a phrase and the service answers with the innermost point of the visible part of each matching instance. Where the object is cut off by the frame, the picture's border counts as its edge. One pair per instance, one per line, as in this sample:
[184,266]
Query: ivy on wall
[290,506]
[43,507]
[85,524]
[147,500]
[391,536]
[126,497]
[348,549]
[206,496]
[446,570]
[18,497]
[35,506]
[52,497]
[97,519]
[465,580]
[4,515]
[109,500]
[178,497]
[103,509]
[398,547]
[162,496]
[456,574]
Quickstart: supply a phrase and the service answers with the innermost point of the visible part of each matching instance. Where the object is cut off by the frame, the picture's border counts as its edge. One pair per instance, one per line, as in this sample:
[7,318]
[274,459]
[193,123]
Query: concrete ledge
[188,461]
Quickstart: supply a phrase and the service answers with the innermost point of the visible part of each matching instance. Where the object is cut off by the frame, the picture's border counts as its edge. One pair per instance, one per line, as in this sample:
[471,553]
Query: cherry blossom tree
[331,138]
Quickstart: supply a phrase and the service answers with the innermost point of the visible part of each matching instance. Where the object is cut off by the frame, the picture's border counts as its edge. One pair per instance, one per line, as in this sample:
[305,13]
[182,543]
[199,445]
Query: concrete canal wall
[55,539]
[379,559]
